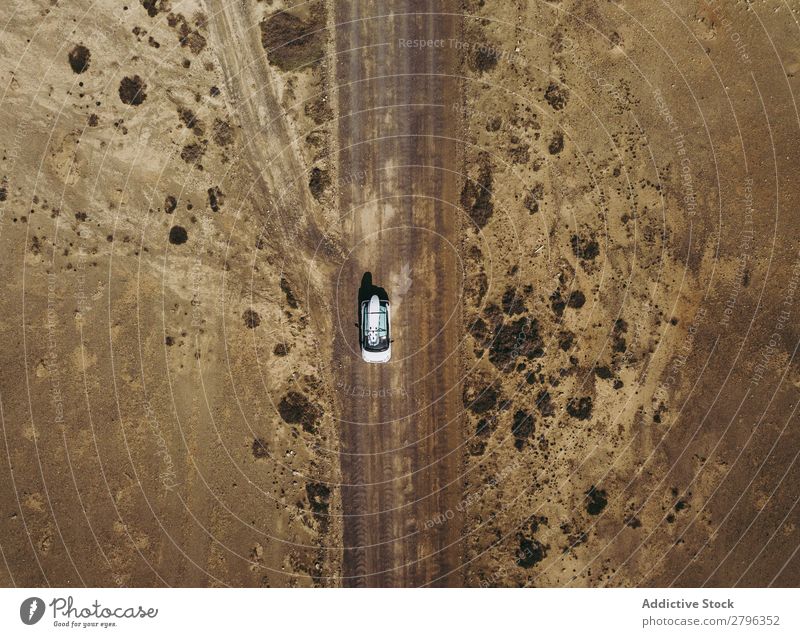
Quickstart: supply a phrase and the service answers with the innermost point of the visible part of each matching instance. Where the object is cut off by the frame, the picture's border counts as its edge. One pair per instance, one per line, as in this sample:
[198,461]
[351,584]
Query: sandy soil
[584,215]
[163,410]
[641,219]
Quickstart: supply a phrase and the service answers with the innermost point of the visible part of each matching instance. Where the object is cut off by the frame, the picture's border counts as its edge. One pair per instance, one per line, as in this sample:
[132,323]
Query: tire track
[395,129]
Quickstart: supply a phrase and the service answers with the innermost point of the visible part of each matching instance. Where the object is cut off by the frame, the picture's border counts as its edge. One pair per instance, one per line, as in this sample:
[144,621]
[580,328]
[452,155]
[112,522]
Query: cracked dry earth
[584,214]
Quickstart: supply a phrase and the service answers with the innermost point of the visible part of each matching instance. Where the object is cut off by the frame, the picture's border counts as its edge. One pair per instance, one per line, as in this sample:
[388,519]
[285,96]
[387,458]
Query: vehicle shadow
[366,291]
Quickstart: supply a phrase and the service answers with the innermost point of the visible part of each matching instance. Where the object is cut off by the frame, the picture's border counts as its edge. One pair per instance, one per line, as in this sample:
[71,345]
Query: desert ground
[584,215]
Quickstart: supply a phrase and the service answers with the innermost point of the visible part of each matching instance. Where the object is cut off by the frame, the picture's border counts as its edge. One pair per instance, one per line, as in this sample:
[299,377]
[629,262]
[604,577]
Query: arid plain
[585,216]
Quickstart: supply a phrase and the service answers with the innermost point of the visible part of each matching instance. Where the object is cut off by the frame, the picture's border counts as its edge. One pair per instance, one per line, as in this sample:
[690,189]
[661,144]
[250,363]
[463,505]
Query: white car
[375,330]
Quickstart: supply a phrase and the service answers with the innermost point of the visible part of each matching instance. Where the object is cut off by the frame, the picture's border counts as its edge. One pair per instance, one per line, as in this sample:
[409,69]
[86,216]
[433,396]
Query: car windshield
[375,328]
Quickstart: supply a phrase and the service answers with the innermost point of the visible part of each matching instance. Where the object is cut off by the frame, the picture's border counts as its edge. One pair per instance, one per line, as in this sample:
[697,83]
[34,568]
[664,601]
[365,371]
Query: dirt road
[399,183]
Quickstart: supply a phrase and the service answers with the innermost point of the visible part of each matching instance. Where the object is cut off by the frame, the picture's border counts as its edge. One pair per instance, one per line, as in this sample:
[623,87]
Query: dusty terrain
[400,456]
[584,214]
[642,221]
